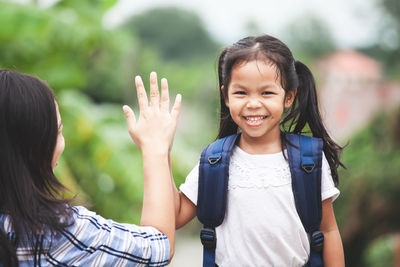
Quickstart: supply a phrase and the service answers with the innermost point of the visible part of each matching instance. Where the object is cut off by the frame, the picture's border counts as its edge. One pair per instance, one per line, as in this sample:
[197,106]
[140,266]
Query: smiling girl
[263,91]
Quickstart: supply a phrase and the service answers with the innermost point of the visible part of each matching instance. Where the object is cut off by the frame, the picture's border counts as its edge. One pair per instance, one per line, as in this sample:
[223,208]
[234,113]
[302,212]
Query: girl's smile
[254,120]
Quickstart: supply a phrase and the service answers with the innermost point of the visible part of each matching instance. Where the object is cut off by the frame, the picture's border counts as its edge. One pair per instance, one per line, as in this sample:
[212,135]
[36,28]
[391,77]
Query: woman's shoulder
[108,240]
[83,217]
[79,211]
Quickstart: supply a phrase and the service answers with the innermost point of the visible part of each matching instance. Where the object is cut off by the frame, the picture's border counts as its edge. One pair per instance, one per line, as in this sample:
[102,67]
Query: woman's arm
[333,249]
[185,210]
[153,133]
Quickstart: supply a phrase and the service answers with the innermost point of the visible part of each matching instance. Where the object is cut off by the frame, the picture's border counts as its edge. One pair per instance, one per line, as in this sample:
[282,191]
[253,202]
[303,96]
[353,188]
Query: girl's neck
[252,145]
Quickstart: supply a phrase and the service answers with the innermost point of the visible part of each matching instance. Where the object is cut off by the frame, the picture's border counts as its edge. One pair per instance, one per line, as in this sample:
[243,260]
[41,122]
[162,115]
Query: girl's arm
[333,250]
[153,133]
[186,209]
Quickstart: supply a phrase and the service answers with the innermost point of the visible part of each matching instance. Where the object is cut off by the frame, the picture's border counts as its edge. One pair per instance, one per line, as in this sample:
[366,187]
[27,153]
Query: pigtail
[305,107]
[226,124]
[305,111]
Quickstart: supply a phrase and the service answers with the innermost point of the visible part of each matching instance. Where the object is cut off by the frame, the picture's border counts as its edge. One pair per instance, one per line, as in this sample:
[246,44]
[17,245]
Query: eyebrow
[236,85]
[265,86]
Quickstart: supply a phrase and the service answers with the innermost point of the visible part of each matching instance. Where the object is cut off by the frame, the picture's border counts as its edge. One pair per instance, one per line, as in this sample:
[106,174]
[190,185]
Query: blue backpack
[305,160]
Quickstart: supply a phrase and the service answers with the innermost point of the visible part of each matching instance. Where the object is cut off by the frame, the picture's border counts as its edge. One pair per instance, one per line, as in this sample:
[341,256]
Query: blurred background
[90,51]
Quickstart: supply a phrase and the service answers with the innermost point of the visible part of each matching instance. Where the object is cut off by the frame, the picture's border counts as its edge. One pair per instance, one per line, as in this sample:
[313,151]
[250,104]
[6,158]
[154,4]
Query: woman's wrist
[152,151]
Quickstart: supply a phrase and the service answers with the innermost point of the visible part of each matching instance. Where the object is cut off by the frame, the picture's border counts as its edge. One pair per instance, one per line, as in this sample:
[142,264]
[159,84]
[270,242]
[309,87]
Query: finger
[141,94]
[154,94]
[130,117]
[177,107]
[164,104]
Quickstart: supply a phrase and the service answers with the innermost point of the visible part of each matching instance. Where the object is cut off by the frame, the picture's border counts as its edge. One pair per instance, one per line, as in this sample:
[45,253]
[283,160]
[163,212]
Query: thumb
[177,107]
[130,116]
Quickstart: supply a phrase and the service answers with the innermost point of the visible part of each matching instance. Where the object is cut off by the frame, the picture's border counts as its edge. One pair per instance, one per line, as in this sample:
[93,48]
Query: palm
[156,125]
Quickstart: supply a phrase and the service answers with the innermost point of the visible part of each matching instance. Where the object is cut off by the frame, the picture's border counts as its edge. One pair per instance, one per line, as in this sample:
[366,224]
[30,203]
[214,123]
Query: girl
[263,90]
[37,227]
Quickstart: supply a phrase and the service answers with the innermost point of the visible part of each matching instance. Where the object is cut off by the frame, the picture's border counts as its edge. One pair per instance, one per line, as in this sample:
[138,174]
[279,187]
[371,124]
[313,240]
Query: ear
[225,96]
[289,98]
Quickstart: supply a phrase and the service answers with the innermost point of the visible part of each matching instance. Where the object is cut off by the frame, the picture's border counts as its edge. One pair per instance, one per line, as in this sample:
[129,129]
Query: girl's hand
[155,129]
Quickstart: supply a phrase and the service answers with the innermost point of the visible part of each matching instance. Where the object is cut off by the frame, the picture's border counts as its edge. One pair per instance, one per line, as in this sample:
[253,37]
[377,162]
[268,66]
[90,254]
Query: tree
[309,37]
[368,206]
[65,47]
[387,46]
[89,67]
[175,33]
[392,8]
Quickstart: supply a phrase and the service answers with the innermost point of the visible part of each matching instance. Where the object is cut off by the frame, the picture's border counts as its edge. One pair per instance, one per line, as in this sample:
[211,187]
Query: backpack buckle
[214,159]
[308,168]
[208,238]
[317,241]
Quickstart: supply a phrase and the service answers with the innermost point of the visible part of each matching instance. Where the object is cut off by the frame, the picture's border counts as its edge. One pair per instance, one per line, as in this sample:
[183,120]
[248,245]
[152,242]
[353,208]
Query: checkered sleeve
[95,241]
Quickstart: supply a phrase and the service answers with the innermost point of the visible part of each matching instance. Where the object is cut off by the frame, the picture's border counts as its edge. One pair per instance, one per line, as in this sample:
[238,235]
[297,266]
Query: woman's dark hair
[30,194]
[292,75]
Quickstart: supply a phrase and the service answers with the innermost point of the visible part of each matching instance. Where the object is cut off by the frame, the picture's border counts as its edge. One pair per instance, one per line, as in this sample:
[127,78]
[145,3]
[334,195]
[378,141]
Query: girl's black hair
[292,75]
[30,194]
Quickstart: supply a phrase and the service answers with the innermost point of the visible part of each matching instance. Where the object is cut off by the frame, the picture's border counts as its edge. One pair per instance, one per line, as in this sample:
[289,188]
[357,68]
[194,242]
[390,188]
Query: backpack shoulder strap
[305,161]
[213,181]
[212,192]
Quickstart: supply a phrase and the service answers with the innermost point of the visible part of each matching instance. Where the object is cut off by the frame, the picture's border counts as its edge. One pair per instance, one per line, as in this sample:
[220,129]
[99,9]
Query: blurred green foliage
[177,34]
[370,188]
[66,49]
[91,69]
[101,156]
[381,252]
[309,38]
[387,44]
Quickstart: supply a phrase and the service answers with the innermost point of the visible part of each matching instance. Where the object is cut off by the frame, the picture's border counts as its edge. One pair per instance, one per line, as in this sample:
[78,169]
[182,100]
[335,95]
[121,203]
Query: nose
[253,103]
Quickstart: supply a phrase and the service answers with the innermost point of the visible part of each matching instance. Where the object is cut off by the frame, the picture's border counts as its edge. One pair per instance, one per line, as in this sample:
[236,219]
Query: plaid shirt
[95,241]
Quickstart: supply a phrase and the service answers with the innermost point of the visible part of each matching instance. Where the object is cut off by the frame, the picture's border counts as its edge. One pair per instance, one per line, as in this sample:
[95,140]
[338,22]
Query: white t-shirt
[261,225]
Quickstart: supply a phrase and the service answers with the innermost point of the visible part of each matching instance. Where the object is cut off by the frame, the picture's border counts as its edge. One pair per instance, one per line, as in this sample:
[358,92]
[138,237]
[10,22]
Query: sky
[352,22]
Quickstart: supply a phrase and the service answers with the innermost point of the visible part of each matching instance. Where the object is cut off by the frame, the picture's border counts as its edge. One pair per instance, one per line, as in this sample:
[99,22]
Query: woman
[37,226]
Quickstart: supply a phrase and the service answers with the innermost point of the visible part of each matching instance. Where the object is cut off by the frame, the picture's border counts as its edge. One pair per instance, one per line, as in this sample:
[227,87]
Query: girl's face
[256,101]
[60,141]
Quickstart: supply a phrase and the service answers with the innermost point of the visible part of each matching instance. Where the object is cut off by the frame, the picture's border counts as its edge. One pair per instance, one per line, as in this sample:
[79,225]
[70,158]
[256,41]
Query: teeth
[255,118]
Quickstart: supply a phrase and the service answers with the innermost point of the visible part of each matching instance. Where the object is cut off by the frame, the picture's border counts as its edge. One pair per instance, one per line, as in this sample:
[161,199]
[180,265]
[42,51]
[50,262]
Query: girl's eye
[267,93]
[239,93]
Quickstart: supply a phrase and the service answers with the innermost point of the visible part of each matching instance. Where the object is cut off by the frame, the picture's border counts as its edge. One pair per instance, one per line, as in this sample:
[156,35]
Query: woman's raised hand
[154,130]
